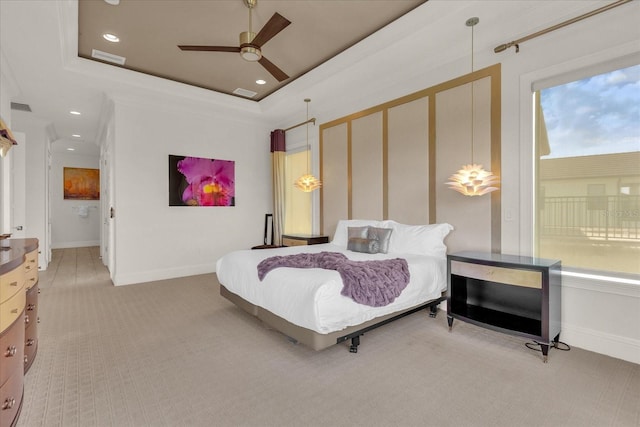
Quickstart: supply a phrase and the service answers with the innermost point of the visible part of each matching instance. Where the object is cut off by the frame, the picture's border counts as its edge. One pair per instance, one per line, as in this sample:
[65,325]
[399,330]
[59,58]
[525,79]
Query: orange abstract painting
[81,184]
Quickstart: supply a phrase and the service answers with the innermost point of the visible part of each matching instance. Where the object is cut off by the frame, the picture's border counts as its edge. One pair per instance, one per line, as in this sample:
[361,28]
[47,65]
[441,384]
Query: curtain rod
[516,43]
[312,120]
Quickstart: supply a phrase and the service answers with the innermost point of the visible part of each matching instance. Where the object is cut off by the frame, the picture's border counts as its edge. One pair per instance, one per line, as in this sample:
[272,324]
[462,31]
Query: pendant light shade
[308,182]
[7,140]
[472,179]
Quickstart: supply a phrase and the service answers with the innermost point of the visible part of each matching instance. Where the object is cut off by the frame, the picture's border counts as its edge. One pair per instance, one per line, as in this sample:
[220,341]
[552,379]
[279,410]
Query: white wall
[68,228]
[155,241]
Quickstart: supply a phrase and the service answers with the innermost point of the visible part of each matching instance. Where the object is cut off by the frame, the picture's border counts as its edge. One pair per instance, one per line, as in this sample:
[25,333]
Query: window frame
[531,82]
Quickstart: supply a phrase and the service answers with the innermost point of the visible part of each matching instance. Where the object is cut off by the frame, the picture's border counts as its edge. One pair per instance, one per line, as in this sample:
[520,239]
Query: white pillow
[340,237]
[419,239]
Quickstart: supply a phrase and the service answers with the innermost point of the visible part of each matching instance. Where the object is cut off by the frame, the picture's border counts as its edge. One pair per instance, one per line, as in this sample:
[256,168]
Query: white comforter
[311,298]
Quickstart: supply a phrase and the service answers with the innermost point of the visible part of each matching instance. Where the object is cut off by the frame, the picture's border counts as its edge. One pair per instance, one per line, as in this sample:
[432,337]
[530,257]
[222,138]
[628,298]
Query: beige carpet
[174,353]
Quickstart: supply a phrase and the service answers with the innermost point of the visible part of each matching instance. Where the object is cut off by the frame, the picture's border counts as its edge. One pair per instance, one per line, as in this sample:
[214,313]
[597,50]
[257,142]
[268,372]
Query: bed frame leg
[355,342]
[433,310]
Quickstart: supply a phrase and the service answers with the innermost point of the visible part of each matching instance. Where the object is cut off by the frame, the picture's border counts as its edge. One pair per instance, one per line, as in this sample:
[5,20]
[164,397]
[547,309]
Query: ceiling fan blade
[210,48]
[271,68]
[276,24]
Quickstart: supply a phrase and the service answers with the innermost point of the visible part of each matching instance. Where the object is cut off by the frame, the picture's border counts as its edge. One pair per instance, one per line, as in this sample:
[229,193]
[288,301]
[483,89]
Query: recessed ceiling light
[75,113]
[112,2]
[261,82]
[75,135]
[111,37]
[71,149]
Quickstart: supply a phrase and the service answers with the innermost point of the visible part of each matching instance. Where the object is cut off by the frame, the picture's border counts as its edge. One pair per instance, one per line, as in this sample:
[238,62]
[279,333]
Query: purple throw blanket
[373,283]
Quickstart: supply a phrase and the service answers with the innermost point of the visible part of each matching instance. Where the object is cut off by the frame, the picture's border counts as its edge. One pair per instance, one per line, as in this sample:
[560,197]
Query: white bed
[310,299]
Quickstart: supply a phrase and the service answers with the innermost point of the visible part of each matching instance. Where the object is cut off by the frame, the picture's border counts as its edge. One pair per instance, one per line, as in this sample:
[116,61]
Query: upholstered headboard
[392,161]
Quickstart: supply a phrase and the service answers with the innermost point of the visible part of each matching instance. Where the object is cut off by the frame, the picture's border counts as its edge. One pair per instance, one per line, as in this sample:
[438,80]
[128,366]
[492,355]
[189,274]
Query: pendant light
[7,140]
[472,179]
[308,182]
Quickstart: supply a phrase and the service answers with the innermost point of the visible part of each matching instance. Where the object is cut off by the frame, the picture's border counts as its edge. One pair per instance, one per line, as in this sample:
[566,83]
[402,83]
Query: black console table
[507,293]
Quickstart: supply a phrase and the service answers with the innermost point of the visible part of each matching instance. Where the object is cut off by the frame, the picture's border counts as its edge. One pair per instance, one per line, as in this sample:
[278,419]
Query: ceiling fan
[251,43]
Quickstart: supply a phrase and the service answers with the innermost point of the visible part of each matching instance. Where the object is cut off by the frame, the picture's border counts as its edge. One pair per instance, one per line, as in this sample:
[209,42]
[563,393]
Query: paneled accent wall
[392,161]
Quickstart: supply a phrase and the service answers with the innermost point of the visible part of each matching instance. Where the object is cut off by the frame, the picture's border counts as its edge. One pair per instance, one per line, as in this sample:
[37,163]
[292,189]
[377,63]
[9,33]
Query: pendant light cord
[307,100]
[472,98]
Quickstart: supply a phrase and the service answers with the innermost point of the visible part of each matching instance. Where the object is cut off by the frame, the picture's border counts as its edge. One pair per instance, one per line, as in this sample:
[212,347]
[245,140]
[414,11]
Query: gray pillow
[382,235]
[367,246]
[359,232]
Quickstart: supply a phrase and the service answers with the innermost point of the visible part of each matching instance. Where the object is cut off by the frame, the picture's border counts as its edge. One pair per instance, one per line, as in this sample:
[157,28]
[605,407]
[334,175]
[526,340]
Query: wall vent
[20,107]
[109,57]
[245,92]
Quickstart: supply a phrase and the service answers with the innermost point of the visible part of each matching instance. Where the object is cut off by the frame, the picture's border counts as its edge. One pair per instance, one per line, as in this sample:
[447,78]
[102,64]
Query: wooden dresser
[18,321]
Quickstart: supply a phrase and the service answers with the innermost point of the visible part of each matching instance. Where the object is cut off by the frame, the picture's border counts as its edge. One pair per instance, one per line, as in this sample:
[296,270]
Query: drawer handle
[30,342]
[26,359]
[31,307]
[26,319]
[28,267]
[33,260]
[9,402]
[33,279]
[14,311]
[11,351]
[13,284]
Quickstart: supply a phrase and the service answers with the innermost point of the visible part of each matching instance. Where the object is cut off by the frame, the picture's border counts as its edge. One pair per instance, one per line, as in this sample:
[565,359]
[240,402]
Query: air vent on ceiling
[20,107]
[109,57]
[245,92]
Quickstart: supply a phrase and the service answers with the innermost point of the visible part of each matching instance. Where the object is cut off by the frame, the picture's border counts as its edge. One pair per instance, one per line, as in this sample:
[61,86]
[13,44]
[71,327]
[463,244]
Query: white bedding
[311,298]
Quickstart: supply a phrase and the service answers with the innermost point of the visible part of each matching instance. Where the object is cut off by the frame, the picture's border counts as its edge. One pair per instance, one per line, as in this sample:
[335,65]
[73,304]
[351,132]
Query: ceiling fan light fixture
[248,51]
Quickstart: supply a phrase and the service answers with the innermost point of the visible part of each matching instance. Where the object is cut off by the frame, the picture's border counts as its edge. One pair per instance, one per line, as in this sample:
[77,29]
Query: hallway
[75,266]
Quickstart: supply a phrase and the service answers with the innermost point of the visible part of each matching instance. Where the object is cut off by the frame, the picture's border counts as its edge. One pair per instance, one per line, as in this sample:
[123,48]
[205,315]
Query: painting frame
[201,182]
[80,183]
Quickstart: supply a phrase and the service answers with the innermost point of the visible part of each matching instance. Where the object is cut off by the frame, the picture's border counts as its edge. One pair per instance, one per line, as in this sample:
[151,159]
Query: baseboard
[69,245]
[163,274]
[624,348]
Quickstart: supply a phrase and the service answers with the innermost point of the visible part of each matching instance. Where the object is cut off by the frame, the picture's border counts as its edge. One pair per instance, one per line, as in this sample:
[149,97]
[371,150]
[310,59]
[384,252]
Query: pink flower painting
[196,181]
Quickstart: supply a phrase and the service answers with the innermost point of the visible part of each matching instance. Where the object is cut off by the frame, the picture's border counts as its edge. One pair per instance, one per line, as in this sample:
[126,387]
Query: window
[297,213]
[588,172]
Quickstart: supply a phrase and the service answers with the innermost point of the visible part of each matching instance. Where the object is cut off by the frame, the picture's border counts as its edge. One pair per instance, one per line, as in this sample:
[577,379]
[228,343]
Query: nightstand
[514,294]
[303,239]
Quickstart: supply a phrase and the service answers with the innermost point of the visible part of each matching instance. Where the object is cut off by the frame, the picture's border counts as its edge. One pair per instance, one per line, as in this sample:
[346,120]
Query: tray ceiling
[150,33]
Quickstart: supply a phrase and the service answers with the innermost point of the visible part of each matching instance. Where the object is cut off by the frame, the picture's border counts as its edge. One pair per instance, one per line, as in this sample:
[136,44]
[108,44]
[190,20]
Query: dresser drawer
[286,241]
[303,239]
[11,309]
[31,269]
[508,276]
[30,345]
[11,283]
[11,398]
[11,351]
[32,301]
